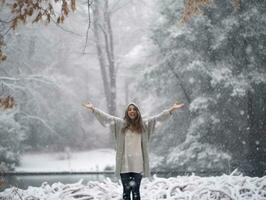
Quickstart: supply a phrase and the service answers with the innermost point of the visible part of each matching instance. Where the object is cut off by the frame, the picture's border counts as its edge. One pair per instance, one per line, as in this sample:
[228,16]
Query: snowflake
[132,183]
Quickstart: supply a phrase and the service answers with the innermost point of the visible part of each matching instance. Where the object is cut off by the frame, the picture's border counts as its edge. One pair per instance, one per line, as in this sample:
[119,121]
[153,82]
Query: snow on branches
[2,55]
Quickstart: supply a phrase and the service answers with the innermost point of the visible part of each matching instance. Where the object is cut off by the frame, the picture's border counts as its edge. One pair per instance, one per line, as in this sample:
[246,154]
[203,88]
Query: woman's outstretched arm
[176,106]
[152,121]
[104,118]
[164,115]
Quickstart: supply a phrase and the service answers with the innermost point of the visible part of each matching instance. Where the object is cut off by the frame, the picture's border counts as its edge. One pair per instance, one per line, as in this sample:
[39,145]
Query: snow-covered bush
[198,157]
[225,187]
[11,136]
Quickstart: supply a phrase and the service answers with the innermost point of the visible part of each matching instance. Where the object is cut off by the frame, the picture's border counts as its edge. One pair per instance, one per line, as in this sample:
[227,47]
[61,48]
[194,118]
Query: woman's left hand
[176,106]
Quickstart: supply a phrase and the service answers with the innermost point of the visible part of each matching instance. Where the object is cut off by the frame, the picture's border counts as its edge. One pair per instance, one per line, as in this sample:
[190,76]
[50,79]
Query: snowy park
[132,99]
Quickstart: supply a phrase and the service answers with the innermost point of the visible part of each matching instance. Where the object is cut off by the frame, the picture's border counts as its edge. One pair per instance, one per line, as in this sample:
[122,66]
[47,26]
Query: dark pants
[131,182]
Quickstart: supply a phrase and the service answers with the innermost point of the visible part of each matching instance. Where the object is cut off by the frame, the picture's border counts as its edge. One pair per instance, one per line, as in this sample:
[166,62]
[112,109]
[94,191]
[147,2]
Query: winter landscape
[195,68]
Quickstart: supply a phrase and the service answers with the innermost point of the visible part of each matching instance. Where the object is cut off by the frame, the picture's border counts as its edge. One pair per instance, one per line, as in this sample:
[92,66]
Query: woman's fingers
[178,105]
[84,104]
[87,105]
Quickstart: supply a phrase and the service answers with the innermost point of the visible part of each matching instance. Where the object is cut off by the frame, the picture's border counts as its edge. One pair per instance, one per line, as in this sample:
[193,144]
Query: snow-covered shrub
[198,157]
[201,104]
[11,136]
[225,187]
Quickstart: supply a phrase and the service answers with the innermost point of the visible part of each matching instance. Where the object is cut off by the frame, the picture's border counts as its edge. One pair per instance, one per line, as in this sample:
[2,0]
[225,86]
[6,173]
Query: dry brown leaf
[58,20]
[7,102]
[48,18]
[2,2]
[236,4]
[14,23]
[62,19]
[193,7]
[15,5]
[2,56]
[73,5]
[30,11]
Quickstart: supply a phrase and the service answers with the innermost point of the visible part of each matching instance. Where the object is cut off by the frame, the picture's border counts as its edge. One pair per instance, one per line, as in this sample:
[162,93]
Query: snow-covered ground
[94,160]
[226,187]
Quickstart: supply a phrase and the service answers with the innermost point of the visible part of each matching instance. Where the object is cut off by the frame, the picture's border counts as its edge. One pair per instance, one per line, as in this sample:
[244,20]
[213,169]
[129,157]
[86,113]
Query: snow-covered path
[226,187]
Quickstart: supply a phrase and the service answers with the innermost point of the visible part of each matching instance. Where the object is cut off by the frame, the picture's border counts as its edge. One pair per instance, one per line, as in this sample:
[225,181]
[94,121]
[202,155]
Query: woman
[131,135]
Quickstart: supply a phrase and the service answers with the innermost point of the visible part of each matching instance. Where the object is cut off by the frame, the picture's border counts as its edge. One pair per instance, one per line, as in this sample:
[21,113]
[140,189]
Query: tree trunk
[103,34]
[110,57]
[100,54]
[257,124]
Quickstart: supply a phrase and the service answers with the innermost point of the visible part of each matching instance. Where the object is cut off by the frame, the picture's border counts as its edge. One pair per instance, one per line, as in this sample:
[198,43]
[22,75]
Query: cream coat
[117,124]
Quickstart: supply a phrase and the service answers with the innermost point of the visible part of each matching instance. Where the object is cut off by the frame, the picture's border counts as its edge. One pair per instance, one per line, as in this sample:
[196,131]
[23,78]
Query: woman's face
[132,112]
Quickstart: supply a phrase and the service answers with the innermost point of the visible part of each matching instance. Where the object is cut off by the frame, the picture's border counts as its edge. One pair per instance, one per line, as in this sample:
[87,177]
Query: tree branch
[89,24]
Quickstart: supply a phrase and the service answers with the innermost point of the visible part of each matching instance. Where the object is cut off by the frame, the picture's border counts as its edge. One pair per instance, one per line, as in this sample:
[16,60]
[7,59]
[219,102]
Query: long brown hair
[137,123]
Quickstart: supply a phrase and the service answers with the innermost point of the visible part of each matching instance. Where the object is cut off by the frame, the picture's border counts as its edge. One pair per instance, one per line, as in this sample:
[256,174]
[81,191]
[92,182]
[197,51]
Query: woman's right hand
[89,106]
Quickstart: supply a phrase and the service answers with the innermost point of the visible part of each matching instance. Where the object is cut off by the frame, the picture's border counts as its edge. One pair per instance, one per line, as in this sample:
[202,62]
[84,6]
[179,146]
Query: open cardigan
[117,124]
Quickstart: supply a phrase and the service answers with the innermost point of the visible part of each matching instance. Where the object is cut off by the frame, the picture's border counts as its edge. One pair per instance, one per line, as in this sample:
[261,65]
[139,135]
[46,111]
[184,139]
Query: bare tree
[103,33]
